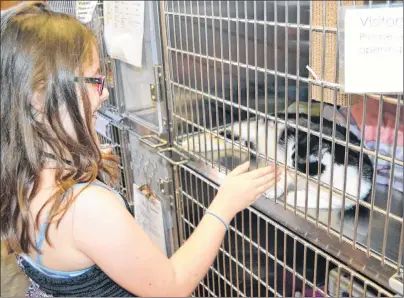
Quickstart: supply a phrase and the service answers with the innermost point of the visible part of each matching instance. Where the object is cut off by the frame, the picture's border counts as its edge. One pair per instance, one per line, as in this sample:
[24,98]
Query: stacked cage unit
[212,65]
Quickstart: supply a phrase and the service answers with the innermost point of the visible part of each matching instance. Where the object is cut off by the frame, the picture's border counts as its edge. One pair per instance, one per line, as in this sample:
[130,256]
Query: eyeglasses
[100,81]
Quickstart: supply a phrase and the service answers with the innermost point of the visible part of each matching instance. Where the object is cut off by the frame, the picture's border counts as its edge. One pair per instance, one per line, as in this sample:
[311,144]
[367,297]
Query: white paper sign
[373,50]
[149,215]
[123,30]
[85,10]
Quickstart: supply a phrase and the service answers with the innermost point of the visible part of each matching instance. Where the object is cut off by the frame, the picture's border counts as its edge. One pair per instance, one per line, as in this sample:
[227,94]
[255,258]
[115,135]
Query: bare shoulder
[95,208]
[97,197]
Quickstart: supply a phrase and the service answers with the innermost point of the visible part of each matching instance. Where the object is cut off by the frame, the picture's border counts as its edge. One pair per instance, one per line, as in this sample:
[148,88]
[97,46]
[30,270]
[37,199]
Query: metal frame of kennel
[366,271]
[200,63]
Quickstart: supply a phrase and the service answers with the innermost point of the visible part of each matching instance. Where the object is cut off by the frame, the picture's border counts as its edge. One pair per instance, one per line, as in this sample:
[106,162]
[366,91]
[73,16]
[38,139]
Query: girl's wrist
[221,210]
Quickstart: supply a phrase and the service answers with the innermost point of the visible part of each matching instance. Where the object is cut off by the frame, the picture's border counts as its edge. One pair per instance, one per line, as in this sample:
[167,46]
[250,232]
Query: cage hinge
[155,89]
[164,186]
[153,94]
[167,124]
[179,206]
[109,71]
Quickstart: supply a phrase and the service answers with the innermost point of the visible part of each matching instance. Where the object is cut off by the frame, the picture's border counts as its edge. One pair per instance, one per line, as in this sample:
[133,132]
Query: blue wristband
[219,218]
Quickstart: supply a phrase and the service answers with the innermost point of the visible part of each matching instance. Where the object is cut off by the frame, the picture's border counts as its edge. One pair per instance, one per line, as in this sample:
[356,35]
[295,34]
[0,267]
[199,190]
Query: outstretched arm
[109,235]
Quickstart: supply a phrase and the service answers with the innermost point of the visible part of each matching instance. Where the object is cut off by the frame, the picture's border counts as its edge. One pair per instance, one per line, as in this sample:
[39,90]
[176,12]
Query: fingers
[267,185]
[260,172]
[266,179]
[240,169]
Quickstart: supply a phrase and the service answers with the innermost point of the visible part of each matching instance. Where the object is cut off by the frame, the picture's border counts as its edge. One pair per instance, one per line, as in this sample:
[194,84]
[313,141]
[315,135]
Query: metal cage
[240,65]
[236,66]
[260,258]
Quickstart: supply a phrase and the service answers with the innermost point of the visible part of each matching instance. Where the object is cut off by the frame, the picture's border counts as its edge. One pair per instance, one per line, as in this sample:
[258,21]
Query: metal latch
[173,156]
[153,141]
[164,186]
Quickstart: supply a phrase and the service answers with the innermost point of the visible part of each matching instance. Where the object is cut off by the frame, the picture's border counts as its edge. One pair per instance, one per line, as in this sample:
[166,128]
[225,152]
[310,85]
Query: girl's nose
[104,94]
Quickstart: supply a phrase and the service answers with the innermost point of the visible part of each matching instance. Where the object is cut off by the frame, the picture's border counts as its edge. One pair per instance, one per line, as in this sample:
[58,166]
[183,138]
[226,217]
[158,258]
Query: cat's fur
[257,142]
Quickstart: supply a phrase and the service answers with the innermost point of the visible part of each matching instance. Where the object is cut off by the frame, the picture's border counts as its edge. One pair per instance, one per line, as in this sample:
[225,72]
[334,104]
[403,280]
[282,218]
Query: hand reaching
[242,188]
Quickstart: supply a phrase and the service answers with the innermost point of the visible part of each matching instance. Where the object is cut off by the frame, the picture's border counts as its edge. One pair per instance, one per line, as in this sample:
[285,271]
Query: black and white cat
[257,142]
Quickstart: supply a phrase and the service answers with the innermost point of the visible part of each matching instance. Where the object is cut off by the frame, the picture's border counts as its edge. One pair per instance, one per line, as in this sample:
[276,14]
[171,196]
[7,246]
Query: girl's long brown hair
[41,51]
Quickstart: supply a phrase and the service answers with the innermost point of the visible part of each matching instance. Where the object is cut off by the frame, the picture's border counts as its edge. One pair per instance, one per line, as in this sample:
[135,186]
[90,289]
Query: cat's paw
[270,193]
[313,202]
[196,143]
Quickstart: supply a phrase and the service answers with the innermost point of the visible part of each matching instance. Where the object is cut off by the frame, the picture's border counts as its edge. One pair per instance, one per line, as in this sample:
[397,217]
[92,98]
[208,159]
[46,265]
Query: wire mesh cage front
[241,85]
[114,139]
[260,258]
[96,25]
